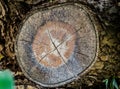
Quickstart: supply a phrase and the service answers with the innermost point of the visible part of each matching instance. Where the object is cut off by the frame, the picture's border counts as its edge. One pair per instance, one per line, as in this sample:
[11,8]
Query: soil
[13,12]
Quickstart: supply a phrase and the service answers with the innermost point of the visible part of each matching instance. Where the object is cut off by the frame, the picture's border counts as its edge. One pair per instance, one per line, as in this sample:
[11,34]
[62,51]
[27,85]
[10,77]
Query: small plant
[111,83]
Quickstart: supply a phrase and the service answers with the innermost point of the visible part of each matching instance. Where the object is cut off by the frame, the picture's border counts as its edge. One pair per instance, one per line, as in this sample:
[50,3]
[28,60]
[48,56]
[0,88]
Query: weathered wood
[57,44]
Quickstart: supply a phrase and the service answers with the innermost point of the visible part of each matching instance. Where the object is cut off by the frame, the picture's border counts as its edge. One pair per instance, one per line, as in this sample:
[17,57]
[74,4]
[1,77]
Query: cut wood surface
[56,45]
[107,65]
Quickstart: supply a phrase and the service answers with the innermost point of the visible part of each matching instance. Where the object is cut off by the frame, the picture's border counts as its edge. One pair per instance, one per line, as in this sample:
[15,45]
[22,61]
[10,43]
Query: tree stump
[57,44]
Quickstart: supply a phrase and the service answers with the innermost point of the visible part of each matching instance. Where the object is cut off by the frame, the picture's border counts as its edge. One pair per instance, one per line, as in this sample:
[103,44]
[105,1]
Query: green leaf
[106,83]
[115,83]
[111,85]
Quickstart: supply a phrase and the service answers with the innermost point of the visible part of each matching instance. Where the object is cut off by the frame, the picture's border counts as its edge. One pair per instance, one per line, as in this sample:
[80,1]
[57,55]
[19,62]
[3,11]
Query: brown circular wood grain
[58,44]
[54,43]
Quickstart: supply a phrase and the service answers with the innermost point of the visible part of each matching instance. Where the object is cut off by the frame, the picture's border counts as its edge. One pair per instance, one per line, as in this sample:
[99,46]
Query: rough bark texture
[12,12]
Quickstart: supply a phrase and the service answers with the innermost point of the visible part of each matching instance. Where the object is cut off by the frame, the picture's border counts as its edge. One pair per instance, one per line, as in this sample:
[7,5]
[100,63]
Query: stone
[1,47]
[99,65]
[18,73]
[25,80]
[90,83]
[104,58]
[31,87]
[20,87]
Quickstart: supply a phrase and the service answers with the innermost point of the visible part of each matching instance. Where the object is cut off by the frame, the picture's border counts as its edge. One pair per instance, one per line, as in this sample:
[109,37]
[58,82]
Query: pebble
[20,87]
[25,80]
[31,87]
[93,73]
[99,65]
[104,58]
[73,83]
[23,87]
[17,73]
[1,47]
[69,85]
[90,83]
[19,81]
